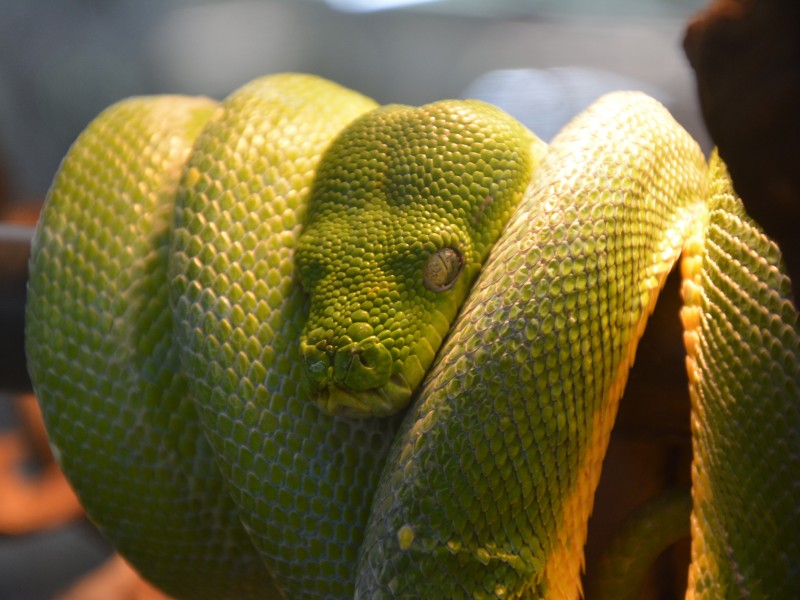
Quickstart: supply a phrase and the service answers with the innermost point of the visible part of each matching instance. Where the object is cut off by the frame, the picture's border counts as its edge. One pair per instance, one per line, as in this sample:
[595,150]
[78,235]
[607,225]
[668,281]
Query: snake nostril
[362,358]
[317,358]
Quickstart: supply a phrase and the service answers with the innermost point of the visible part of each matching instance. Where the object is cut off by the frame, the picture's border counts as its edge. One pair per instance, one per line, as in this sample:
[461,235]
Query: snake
[293,344]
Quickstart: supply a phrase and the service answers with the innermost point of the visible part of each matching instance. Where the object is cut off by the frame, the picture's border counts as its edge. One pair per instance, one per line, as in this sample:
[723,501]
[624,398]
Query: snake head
[403,211]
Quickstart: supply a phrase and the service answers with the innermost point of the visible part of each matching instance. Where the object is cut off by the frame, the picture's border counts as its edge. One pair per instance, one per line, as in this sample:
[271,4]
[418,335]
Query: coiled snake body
[230,305]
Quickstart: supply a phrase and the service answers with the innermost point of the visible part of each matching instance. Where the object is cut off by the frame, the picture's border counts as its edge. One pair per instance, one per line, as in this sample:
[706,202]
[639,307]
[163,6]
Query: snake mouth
[356,378]
[383,401]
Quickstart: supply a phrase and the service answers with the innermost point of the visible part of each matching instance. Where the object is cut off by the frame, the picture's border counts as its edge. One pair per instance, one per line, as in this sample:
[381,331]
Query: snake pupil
[442,269]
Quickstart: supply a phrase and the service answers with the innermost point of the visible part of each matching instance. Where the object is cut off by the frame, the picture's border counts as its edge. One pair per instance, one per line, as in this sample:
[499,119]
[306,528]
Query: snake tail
[652,528]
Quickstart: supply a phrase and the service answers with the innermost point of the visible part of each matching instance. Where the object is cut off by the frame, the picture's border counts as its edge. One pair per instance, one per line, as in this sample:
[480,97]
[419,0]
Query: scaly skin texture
[165,340]
[744,371]
[495,468]
[401,186]
[100,346]
[302,480]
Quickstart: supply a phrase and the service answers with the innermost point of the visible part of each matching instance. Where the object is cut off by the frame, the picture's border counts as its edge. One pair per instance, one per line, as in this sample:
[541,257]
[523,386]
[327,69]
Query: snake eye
[442,269]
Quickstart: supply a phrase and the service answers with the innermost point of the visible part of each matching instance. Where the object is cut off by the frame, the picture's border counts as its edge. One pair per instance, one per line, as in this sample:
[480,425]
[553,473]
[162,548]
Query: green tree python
[295,345]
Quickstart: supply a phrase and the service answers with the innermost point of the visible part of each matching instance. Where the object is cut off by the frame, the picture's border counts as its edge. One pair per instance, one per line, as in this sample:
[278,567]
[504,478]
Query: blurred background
[63,62]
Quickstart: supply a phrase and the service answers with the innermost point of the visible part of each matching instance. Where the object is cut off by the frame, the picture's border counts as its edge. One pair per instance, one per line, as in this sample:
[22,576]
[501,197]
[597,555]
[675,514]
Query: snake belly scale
[230,305]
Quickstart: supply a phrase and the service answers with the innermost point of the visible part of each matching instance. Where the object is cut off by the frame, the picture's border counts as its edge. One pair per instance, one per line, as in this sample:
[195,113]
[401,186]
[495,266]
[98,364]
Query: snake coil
[230,305]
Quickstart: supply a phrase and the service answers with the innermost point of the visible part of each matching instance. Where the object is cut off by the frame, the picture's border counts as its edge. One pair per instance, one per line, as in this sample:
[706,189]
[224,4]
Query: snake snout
[353,377]
[363,365]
